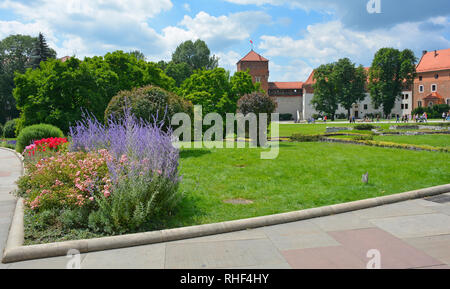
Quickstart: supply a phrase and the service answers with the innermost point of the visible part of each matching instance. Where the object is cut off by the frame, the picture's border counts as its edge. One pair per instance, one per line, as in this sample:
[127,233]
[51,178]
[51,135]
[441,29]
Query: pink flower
[106,193]
[91,198]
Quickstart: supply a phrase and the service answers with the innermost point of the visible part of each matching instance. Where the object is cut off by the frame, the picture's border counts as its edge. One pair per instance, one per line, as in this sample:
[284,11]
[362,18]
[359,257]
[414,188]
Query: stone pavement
[411,234]
[10,170]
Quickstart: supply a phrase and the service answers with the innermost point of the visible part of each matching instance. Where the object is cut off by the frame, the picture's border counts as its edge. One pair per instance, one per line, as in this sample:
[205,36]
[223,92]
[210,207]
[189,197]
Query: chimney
[424,52]
[435,53]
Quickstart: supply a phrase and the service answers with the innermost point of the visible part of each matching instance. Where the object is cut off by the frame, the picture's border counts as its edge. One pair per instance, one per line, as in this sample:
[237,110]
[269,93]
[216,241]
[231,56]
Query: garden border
[15,251]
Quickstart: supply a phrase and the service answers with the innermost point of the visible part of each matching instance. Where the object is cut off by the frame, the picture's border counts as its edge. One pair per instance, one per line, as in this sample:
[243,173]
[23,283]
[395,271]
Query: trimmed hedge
[364,127]
[9,131]
[149,103]
[306,138]
[36,132]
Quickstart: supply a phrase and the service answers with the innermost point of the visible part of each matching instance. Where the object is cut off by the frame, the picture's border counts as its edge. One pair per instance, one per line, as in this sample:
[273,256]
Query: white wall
[289,105]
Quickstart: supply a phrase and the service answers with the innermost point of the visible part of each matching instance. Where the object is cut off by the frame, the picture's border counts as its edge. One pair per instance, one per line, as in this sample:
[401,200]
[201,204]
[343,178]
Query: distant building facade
[432,84]
[295,97]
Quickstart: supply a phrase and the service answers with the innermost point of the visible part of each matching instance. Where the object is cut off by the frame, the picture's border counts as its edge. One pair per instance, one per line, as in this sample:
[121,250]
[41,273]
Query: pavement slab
[415,225]
[226,254]
[394,252]
[435,246]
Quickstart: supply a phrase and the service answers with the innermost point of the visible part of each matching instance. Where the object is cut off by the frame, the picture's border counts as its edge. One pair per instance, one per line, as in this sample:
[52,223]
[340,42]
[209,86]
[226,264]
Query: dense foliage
[116,178]
[9,130]
[36,132]
[41,52]
[337,83]
[150,103]
[56,92]
[391,71]
[216,91]
[433,112]
[15,53]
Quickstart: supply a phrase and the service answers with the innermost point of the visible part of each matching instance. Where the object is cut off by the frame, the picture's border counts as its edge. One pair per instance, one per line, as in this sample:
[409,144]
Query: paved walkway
[411,234]
[10,170]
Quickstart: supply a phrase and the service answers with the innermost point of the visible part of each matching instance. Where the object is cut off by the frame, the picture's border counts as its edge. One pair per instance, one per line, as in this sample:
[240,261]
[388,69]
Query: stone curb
[15,252]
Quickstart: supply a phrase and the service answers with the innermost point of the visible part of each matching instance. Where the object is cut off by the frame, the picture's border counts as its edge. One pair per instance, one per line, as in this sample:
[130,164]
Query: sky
[295,35]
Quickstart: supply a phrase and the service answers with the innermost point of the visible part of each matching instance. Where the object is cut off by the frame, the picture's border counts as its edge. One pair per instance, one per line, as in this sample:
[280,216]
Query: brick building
[432,84]
[287,95]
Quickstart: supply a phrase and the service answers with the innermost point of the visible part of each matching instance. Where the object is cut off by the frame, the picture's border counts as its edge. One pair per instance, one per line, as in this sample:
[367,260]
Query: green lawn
[287,130]
[436,140]
[305,175]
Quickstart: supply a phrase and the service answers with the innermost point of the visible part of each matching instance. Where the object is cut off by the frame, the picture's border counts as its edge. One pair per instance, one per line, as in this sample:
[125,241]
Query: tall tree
[349,83]
[390,72]
[216,91]
[325,98]
[138,54]
[15,52]
[41,52]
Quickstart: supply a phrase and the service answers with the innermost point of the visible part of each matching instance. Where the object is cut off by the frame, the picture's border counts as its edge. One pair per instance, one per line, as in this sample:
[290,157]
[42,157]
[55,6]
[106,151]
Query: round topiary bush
[9,131]
[149,103]
[36,132]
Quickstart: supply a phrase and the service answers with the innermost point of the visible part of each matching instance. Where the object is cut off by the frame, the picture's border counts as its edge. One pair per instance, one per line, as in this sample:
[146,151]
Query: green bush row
[36,132]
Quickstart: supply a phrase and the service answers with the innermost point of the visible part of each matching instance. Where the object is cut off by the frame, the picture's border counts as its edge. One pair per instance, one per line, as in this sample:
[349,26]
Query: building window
[448,101]
[365,107]
[420,88]
[433,88]
[258,78]
[419,104]
[430,104]
[420,78]
[436,76]
[403,106]
[406,106]
[406,96]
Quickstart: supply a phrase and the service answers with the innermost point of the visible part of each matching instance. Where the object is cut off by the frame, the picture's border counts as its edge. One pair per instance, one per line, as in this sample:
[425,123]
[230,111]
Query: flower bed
[110,179]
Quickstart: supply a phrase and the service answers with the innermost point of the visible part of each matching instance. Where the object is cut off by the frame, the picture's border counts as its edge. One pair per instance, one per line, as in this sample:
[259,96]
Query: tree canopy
[216,91]
[349,83]
[41,52]
[15,53]
[391,71]
[325,98]
[57,91]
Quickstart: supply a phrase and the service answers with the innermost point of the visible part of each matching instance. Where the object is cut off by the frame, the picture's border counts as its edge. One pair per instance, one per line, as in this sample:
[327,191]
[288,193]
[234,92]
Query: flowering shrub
[67,180]
[41,148]
[35,132]
[114,178]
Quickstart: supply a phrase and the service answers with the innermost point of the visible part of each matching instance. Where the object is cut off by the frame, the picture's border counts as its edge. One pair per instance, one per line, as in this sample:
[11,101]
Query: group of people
[446,116]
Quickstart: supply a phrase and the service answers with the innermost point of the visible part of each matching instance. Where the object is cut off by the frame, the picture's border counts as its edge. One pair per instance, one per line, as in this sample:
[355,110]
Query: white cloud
[327,42]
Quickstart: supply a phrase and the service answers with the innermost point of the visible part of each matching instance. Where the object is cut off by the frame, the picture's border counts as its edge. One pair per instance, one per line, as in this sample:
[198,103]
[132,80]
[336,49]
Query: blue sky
[295,35]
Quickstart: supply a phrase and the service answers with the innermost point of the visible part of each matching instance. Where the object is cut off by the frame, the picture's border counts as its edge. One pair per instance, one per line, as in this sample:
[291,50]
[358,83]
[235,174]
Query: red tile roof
[285,85]
[434,61]
[253,56]
[434,95]
[65,58]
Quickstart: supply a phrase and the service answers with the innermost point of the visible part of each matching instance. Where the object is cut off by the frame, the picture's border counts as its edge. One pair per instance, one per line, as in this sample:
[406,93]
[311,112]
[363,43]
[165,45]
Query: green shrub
[286,116]
[148,102]
[1,130]
[306,138]
[9,131]
[36,132]
[364,127]
[363,137]
[134,204]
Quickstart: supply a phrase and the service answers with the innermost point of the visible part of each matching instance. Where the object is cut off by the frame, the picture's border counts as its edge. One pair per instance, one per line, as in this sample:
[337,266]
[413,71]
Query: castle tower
[258,66]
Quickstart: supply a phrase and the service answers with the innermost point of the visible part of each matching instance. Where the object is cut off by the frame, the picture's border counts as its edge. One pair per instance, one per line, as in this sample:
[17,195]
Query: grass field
[436,140]
[305,175]
[287,130]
